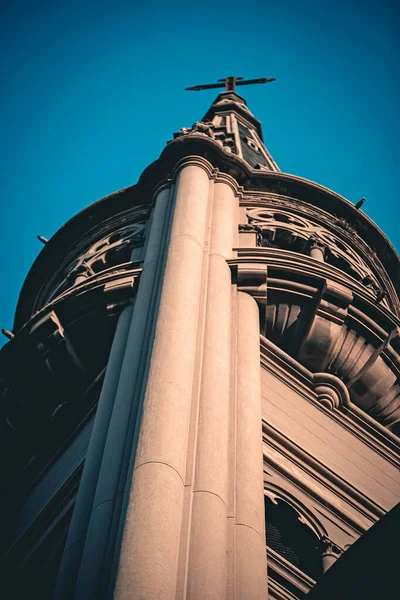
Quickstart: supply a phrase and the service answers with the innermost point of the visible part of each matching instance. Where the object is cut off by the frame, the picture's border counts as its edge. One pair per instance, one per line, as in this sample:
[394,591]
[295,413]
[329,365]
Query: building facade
[201,395]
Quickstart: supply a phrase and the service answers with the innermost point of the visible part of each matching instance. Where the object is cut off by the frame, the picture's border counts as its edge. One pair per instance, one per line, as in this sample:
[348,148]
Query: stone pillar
[149,555]
[74,544]
[316,249]
[207,567]
[101,505]
[330,552]
[250,546]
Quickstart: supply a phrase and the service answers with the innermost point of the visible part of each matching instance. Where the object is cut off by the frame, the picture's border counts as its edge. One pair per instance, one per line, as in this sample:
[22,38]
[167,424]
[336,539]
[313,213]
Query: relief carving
[110,251]
[218,133]
[289,231]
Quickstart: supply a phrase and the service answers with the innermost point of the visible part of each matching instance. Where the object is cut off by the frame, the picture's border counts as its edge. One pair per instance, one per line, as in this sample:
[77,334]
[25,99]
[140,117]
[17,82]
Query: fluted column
[149,554]
[207,567]
[250,565]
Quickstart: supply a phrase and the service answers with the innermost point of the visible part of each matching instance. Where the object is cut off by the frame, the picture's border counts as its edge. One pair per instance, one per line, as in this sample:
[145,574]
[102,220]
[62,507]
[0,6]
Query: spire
[231,124]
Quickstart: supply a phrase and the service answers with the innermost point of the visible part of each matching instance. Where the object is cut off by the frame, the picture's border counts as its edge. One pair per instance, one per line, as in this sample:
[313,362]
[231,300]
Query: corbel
[325,326]
[251,277]
[249,235]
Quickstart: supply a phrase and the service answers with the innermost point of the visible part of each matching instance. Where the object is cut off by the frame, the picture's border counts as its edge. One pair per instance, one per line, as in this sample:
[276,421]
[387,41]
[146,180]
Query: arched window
[289,534]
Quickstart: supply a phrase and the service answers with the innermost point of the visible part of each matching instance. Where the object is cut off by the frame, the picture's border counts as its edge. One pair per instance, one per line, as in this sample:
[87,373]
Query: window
[288,534]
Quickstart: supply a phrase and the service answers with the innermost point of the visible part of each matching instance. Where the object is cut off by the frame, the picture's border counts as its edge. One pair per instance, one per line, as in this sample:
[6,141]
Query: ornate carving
[112,250]
[219,134]
[290,231]
[346,226]
[331,391]
[324,329]
[330,552]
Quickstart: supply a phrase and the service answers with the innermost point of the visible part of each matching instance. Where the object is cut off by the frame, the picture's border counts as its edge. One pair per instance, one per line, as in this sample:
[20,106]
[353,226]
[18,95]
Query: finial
[8,334]
[359,203]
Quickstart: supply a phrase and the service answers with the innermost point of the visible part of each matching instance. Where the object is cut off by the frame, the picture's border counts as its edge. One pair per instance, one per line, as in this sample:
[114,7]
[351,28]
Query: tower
[202,384]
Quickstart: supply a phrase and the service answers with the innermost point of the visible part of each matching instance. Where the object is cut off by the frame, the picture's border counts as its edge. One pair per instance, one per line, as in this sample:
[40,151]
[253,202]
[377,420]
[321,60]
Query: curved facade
[217,338]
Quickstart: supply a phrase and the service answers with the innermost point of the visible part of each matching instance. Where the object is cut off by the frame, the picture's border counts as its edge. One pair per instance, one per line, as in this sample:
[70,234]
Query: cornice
[329,395]
[325,326]
[72,239]
[289,186]
[326,479]
[293,262]
[278,591]
[294,576]
[114,284]
[340,228]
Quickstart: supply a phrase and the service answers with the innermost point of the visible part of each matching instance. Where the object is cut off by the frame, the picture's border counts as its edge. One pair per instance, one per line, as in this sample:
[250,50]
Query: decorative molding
[297,579]
[218,133]
[50,339]
[331,391]
[326,479]
[213,173]
[301,380]
[109,241]
[374,279]
[292,231]
[277,590]
[324,325]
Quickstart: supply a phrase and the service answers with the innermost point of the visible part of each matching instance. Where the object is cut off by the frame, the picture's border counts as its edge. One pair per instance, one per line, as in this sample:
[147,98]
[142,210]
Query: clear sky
[92,90]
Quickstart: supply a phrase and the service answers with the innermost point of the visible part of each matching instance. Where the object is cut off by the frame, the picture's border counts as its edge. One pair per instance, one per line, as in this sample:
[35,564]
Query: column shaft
[149,554]
[72,554]
[207,568]
[94,567]
[250,549]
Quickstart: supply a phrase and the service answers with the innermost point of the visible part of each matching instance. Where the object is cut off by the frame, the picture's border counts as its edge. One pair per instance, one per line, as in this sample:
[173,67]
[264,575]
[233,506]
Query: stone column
[207,567]
[330,552]
[103,503]
[73,549]
[149,554]
[250,549]
[316,249]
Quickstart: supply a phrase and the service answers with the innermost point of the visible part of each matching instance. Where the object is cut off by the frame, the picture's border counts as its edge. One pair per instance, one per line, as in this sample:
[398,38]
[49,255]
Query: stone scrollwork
[330,552]
[290,231]
[331,391]
[110,251]
[218,133]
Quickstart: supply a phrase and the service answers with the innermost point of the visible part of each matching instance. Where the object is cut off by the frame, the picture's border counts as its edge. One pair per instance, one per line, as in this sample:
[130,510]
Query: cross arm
[260,80]
[207,86]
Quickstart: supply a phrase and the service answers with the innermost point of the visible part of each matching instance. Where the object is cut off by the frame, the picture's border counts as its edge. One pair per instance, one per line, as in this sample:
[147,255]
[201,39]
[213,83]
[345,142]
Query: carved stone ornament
[289,231]
[218,133]
[331,391]
[330,552]
[110,251]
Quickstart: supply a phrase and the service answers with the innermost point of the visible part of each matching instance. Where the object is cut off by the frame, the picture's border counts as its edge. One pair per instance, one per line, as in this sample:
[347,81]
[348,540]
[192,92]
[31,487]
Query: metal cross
[229,83]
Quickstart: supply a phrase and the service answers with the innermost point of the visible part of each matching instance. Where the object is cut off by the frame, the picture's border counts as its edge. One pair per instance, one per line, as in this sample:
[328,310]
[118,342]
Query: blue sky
[91,91]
